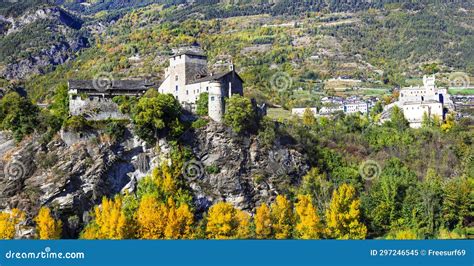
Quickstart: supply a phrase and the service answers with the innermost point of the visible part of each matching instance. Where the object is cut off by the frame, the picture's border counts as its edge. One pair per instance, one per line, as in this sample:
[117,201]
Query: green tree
[384,201]
[397,119]
[203,104]
[240,114]
[156,115]
[18,114]
[457,202]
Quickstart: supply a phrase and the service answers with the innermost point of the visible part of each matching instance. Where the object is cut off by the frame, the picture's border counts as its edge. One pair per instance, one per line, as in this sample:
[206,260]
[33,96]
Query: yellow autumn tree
[46,226]
[243,230]
[263,223]
[179,221]
[308,117]
[226,222]
[151,218]
[343,215]
[282,217]
[8,221]
[109,221]
[308,225]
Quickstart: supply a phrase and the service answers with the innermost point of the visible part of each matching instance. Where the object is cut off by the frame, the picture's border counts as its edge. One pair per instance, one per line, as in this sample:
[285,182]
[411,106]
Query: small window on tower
[176,88]
[176,78]
[187,92]
[207,88]
[212,98]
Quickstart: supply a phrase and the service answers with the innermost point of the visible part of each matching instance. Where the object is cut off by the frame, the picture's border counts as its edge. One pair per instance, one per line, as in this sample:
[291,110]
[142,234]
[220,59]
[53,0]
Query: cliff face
[73,172]
[237,169]
[38,40]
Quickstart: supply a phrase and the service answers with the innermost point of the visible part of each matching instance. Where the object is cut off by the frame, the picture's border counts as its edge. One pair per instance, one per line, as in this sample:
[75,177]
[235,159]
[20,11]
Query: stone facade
[426,99]
[95,102]
[188,76]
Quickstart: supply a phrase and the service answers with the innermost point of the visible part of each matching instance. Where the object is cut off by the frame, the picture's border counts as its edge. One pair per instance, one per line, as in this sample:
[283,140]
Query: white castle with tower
[418,101]
[186,78]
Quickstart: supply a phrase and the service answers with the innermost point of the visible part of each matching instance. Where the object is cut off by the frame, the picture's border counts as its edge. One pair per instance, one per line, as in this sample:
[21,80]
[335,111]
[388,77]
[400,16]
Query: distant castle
[420,100]
[186,78]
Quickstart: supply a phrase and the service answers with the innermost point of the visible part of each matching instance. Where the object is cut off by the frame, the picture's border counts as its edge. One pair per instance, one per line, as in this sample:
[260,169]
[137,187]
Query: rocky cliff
[74,171]
[38,40]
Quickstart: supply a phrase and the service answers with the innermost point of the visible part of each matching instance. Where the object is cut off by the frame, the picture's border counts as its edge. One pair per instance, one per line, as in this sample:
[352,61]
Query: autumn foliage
[8,222]
[47,226]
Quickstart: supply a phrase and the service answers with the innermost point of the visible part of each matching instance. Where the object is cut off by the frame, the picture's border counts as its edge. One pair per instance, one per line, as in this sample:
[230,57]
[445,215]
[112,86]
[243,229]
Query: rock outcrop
[43,53]
[237,169]
[73,172]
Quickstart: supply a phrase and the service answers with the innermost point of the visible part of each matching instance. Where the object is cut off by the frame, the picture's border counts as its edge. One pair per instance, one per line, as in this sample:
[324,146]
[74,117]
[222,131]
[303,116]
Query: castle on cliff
[186,78]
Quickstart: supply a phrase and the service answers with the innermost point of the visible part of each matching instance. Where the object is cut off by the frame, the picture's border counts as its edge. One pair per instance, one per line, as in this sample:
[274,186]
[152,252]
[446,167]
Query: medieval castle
[418,101]
[186,78]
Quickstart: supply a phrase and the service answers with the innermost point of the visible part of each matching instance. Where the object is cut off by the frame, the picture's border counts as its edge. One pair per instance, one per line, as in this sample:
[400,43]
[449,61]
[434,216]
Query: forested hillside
[349,176]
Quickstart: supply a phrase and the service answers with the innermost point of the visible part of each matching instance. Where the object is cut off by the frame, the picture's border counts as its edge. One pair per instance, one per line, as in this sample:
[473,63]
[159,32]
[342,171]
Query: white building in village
[426,99]
[333,105]
[188,76]
[356,107]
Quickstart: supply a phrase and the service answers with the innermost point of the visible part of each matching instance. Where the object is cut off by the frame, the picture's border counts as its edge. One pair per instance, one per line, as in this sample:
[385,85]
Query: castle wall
[414,112]
[95,108]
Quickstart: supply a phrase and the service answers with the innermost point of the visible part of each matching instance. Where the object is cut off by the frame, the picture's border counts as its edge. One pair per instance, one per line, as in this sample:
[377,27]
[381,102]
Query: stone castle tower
[188,76]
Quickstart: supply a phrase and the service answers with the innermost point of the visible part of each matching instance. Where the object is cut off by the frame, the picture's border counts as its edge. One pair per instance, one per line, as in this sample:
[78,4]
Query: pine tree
[282,217]
[343,215]
[263,222]
[308,224]
[46,226]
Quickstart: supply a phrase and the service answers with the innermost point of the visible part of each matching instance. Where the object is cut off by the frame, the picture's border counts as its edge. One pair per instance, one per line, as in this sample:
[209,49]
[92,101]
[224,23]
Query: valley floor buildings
[186,78]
